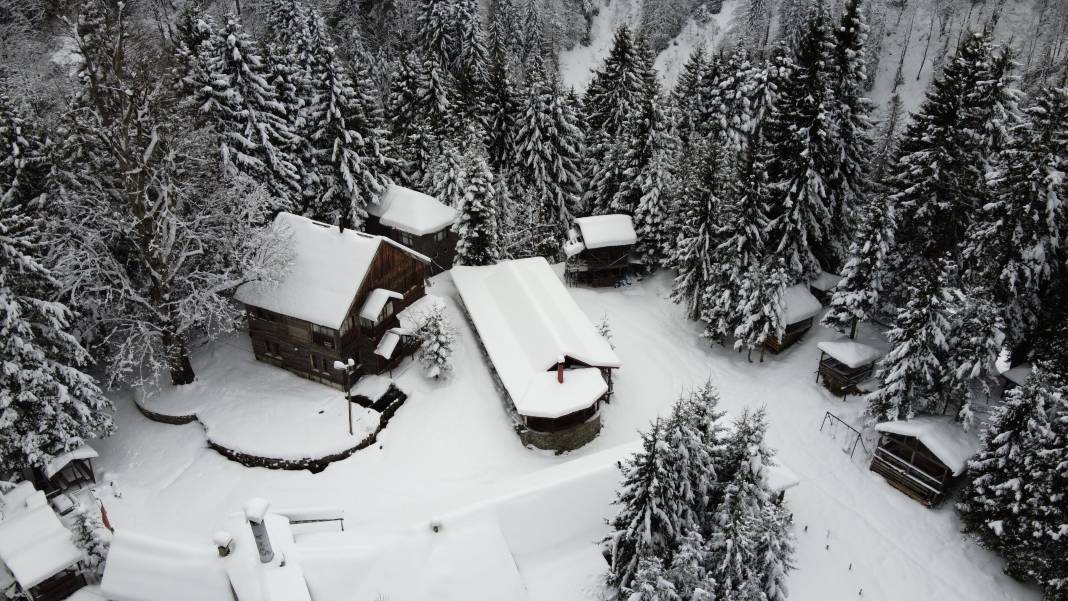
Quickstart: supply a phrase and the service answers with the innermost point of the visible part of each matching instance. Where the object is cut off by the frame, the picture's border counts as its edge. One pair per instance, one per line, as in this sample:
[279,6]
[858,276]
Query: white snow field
[450,454]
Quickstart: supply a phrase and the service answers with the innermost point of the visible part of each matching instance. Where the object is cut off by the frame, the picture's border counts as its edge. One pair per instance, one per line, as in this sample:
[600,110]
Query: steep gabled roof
[527,320]
[410,211]
[326,273]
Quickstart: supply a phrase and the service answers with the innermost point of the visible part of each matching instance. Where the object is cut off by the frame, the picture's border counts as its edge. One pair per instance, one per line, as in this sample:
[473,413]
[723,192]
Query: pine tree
[1016,244]
[761,309]
[436,337]
[344,127]
[605,330]
[688,572]
[48,406]
[642,525]
[688,97]
[242,107]
[650,582]
[549,143]
[857,296]
[446,175]
[477,224]
[502,103]
[1013,501]
[802,146]
[774,551]
[650,169]
[93,538]
[853,125]
[450,36]
[912,373]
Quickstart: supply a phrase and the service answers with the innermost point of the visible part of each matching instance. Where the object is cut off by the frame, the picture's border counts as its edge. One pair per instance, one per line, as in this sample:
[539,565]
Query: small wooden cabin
[923,457]
[800,309]
[845,364]
[338,301]
[599,249]
[417,221]
[38,557]
[69,471]
[823,286]
[550,360]
[1014,376]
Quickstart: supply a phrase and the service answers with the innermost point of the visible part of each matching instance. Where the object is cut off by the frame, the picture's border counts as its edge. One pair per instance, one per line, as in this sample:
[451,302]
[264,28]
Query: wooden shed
[599,249]
[923,457]
[38,557]
[417,221]
[67,471]
[799,311]
[550,360]
[846,363]
[338,301]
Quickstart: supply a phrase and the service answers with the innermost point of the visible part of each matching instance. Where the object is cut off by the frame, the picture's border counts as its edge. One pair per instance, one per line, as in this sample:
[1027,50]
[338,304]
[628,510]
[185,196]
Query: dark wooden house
[599,249]
[339,301]
[845,364]
[417,221]
[923,457]
[800,309]
[554,366]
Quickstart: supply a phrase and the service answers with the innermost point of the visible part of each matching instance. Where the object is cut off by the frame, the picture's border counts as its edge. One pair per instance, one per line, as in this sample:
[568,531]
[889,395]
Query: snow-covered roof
[600,231]
[1019,374]
[941,435]
[280,579]
[779,477]
[850,352]
[35,546]
[327,270]
[573,247]
[387,345]
[410,211]
[372,307]
[412,315]
[62,461]
[799,304]
[825,281]
[527,320]
[144,568]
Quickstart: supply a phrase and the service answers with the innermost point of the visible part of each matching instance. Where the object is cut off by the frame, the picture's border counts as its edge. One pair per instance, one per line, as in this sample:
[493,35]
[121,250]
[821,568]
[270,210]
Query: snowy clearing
[451,446]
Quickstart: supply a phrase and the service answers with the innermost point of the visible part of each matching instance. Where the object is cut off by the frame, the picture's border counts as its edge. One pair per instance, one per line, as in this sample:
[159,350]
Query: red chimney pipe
[560,369]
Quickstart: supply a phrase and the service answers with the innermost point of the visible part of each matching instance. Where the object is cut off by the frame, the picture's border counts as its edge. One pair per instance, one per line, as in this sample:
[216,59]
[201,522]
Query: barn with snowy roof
[800,309]
[923,457]
[339,300]
[550,360]
[598,249]
[418,221]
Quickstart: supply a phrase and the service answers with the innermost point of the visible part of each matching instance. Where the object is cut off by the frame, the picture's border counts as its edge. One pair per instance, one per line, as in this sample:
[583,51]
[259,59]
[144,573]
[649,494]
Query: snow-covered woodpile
[555,367]
[418,221]
[338,301]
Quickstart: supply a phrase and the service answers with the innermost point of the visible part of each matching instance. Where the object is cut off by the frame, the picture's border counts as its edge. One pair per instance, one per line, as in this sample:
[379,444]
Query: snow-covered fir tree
[93,538]
[650,582]
[802,146]
[450,35]
[477,224]
[502,102]
[1017,243]
[437,338]
[549,144]
[604,328]
[688,571]
[857,296]
[762,307]
[1013,502]
[48,406]
[642,526]
[446,175]
[241,107]
[650,171]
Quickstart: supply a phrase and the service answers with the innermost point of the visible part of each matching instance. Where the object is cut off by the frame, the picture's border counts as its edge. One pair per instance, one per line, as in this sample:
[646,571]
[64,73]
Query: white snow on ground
[578,63]
[708,35]
[253,407]
[451,446]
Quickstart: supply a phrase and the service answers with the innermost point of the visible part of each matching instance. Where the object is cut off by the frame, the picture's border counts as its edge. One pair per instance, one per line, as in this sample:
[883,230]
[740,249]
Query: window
[438,237]
[346,326]
[406,239]
[387,311]
[274,349]
[263,314]
[299,332]
[324,337]
[320,363]
[366,323]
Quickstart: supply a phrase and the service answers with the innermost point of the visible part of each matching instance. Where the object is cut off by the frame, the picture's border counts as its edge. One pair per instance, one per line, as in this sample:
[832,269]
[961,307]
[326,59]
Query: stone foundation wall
[563,441]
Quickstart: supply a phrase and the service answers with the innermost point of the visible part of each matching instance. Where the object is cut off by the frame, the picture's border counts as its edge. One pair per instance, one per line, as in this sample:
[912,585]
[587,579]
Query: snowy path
[451,445]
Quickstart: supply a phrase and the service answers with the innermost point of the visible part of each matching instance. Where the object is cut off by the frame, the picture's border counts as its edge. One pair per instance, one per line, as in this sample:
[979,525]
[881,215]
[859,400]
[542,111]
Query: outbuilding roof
[825,281]
[144,568]
[34,545]
[600,231]
[527,320]
[799,304]
[850,352]
[327,269]
[941,435]
[61,461]
[411,211]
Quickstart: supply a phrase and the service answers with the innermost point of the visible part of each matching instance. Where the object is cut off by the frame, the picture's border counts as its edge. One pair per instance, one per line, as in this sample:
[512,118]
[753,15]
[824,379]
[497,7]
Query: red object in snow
[560,369]
[104,517]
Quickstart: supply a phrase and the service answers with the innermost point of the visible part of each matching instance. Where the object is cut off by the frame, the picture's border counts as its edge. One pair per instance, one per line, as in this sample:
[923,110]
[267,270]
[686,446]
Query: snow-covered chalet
[550,360]
[340,300]
[417,221]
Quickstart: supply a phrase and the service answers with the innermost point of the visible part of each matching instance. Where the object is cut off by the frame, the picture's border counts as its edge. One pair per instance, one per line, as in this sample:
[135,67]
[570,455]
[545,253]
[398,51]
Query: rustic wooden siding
[442,253]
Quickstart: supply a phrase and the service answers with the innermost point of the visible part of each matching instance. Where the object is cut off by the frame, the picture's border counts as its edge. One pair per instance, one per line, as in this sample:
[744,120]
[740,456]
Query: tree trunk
[180,366]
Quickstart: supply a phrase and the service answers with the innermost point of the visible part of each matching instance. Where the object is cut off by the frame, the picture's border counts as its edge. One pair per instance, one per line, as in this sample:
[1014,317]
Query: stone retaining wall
[313,464]
[563,441]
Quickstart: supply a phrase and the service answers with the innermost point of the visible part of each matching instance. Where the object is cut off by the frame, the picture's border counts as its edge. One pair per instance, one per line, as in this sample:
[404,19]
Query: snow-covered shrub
[93,538]
[605,330]
[437,337]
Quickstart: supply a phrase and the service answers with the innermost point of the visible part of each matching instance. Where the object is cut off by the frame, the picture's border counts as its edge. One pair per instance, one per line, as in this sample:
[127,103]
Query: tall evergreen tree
[1013,502]
[502,102]
[48,406]
[242,107]
[651,582]
[762,308]
[477,224]
[857,295]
